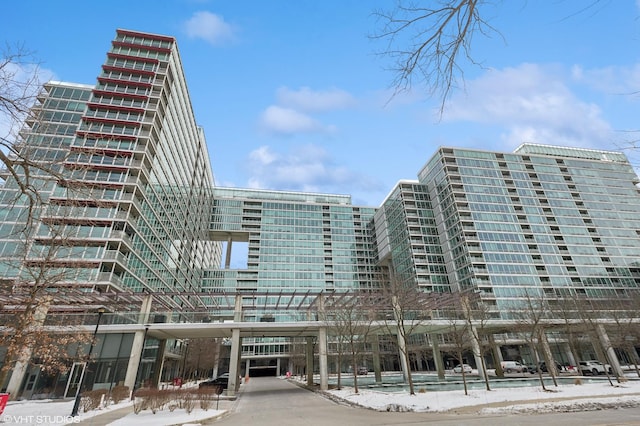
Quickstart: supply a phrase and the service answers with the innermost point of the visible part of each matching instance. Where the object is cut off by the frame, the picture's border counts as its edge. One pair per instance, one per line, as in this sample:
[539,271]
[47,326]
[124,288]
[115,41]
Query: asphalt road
[269,401]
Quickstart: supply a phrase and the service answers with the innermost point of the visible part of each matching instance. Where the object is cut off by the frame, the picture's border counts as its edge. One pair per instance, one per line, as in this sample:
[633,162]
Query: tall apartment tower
[132,192]
[544,221]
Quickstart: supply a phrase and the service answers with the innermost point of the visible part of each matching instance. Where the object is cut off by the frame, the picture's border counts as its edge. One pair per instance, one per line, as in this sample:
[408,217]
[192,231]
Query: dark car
[221,380]
[543,368]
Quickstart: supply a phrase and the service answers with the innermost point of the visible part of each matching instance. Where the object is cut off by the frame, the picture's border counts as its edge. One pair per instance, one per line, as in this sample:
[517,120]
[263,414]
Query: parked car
[542,365]
[513,367]
[363,371]
[221,380]
[458,368]
[594,367]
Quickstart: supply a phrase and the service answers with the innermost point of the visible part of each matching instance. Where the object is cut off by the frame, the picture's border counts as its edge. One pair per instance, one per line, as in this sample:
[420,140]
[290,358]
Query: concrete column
[237,311]
[137,348]
[611,353]
[24,357]
[497,356]
[477,355]
[402,346]
[145,310]
[322,358]
[233,362]
[437,356]
[227,259]
[309,351]
[19,371]
[159,364]
[548,357]
[402,343]
[375,345]
[247,367]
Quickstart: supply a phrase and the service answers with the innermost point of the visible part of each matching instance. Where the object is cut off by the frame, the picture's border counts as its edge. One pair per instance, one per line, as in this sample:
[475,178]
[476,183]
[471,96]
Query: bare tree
[19,89]
[428,43]
[42,272]
[350,317]
[405,308]
[460,336]
[530,314]
[202,355]
[477,314]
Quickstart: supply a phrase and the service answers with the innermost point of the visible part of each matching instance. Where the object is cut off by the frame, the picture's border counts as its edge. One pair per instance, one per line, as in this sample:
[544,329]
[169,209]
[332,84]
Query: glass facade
[132,185]
[133,194]
[545,221]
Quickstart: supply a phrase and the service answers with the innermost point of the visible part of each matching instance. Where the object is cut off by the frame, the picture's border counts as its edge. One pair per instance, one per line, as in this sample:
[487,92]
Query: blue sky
[292,95]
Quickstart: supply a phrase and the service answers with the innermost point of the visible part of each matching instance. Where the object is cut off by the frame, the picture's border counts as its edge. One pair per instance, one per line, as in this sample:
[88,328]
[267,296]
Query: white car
[594,367]
[458,368]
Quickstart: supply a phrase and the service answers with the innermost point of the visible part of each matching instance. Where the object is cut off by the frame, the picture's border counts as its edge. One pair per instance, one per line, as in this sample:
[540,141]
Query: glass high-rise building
[129,206]
[543,221]
[132,186]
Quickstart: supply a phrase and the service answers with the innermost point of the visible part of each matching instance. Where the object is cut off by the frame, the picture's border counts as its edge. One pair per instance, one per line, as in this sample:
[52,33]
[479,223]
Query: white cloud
[290,114]
[210,27]
[23,81]
[308,100]
[286,121]
[534,105]
[305,168]
[611,80]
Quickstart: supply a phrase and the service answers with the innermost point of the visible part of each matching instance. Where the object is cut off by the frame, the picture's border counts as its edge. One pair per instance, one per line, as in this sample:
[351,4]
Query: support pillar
[322,358]
[309,359]
[159,364]
[137,347]
[227,259]
[233,362]
[497,356]
[548,357]
[22,364]
[376,358]
[611,353]
[569,354]
[477,355]
[437,356]
[402,345]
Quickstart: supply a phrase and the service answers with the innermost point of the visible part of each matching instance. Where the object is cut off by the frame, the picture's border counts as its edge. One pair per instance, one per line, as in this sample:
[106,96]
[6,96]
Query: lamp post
[76,403]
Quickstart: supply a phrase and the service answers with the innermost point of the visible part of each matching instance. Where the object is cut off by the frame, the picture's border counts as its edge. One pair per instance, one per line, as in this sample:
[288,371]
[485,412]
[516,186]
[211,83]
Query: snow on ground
[53,412]
[573,397]
[530,399]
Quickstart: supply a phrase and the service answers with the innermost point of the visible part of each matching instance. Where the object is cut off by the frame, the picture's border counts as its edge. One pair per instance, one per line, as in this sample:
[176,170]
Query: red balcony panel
[102,151]
[132,58]
[128,70]
[94,105]
[128,123]
[99,167]
[120,95]
[89,184]
[104,80]
[140,46]
[146,35]
[97,135]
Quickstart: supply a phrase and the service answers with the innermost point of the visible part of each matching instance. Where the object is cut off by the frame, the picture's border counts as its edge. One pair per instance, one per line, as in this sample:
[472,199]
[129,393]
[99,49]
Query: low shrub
[119,393]
[91,400]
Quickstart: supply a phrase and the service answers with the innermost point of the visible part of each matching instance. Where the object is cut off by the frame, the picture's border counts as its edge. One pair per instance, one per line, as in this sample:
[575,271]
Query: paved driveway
[270,401]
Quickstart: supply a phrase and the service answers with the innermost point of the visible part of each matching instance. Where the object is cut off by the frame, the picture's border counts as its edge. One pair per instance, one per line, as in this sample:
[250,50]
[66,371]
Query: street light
[76,403]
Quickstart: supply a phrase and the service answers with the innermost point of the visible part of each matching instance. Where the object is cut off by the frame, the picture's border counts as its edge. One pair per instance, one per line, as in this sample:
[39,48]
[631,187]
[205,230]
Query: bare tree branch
[429,43]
